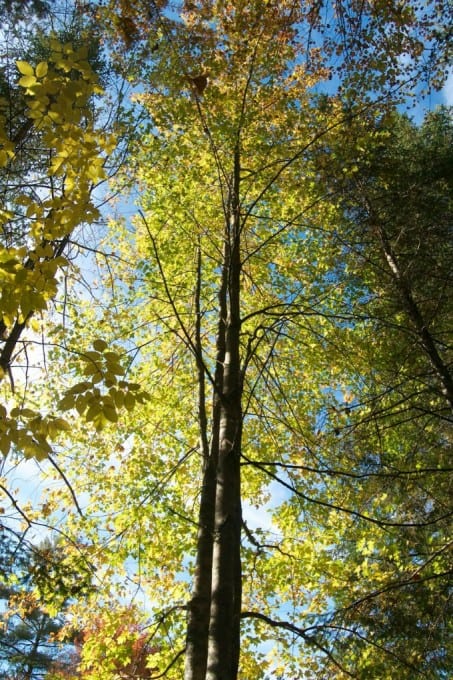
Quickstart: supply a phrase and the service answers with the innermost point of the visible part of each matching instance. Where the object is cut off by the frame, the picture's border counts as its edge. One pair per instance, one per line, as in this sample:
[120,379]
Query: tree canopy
[244,403]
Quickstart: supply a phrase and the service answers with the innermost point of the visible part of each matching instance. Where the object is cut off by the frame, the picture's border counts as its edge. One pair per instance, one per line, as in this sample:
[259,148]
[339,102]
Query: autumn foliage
[243,406]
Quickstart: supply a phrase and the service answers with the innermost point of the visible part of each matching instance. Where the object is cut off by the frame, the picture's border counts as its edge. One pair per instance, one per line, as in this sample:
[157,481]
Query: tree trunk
[426,340]
[224,625]
[213,637]
[224,634]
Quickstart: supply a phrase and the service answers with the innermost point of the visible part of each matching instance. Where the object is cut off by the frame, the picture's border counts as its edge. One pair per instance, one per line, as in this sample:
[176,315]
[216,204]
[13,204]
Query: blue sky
[447,91]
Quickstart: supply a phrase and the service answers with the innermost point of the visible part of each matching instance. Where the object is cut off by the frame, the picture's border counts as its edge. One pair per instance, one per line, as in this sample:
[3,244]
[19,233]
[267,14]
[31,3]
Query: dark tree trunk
[420,325]
[224,626]
[213,638]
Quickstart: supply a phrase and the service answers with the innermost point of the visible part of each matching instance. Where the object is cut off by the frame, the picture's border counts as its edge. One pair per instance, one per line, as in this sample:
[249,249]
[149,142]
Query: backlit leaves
[100,398]
[342,461]
[37,225]
[57,104]
[27,431]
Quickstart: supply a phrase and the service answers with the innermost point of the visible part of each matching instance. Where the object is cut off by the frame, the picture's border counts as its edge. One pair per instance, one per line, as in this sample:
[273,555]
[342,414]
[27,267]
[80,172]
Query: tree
[29,644]
[113,643]
[20,10]
[397,232]
[235,291]
[51,159]
[397,205]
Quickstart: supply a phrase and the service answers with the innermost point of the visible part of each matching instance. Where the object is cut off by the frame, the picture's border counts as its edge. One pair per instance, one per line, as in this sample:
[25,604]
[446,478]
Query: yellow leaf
[25,68]
[5,156]
[69,183]
[27,81]
[35,114]
[118,398]
[55,116]
[41,69]
[93,411]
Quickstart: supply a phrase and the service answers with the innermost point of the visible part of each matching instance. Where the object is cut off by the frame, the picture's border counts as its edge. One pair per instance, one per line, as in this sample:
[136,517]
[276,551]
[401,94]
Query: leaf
[27,81]
[25,68]
[129,401]
[5,444]
[66,403]
[100,345]
[61,424]
[110,413]
[79,388]
[93,411]
[42,69]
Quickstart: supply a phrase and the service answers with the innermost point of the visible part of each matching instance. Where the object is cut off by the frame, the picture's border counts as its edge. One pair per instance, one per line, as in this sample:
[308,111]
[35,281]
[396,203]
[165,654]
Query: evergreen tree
[29,643]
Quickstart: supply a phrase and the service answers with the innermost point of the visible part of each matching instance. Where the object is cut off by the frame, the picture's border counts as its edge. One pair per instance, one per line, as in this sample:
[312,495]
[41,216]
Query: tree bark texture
[213,635]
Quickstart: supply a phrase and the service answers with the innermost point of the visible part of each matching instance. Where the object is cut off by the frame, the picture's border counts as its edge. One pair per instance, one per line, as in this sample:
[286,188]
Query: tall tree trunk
[213,637]
[224,626]
[224,633]
[200,604]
